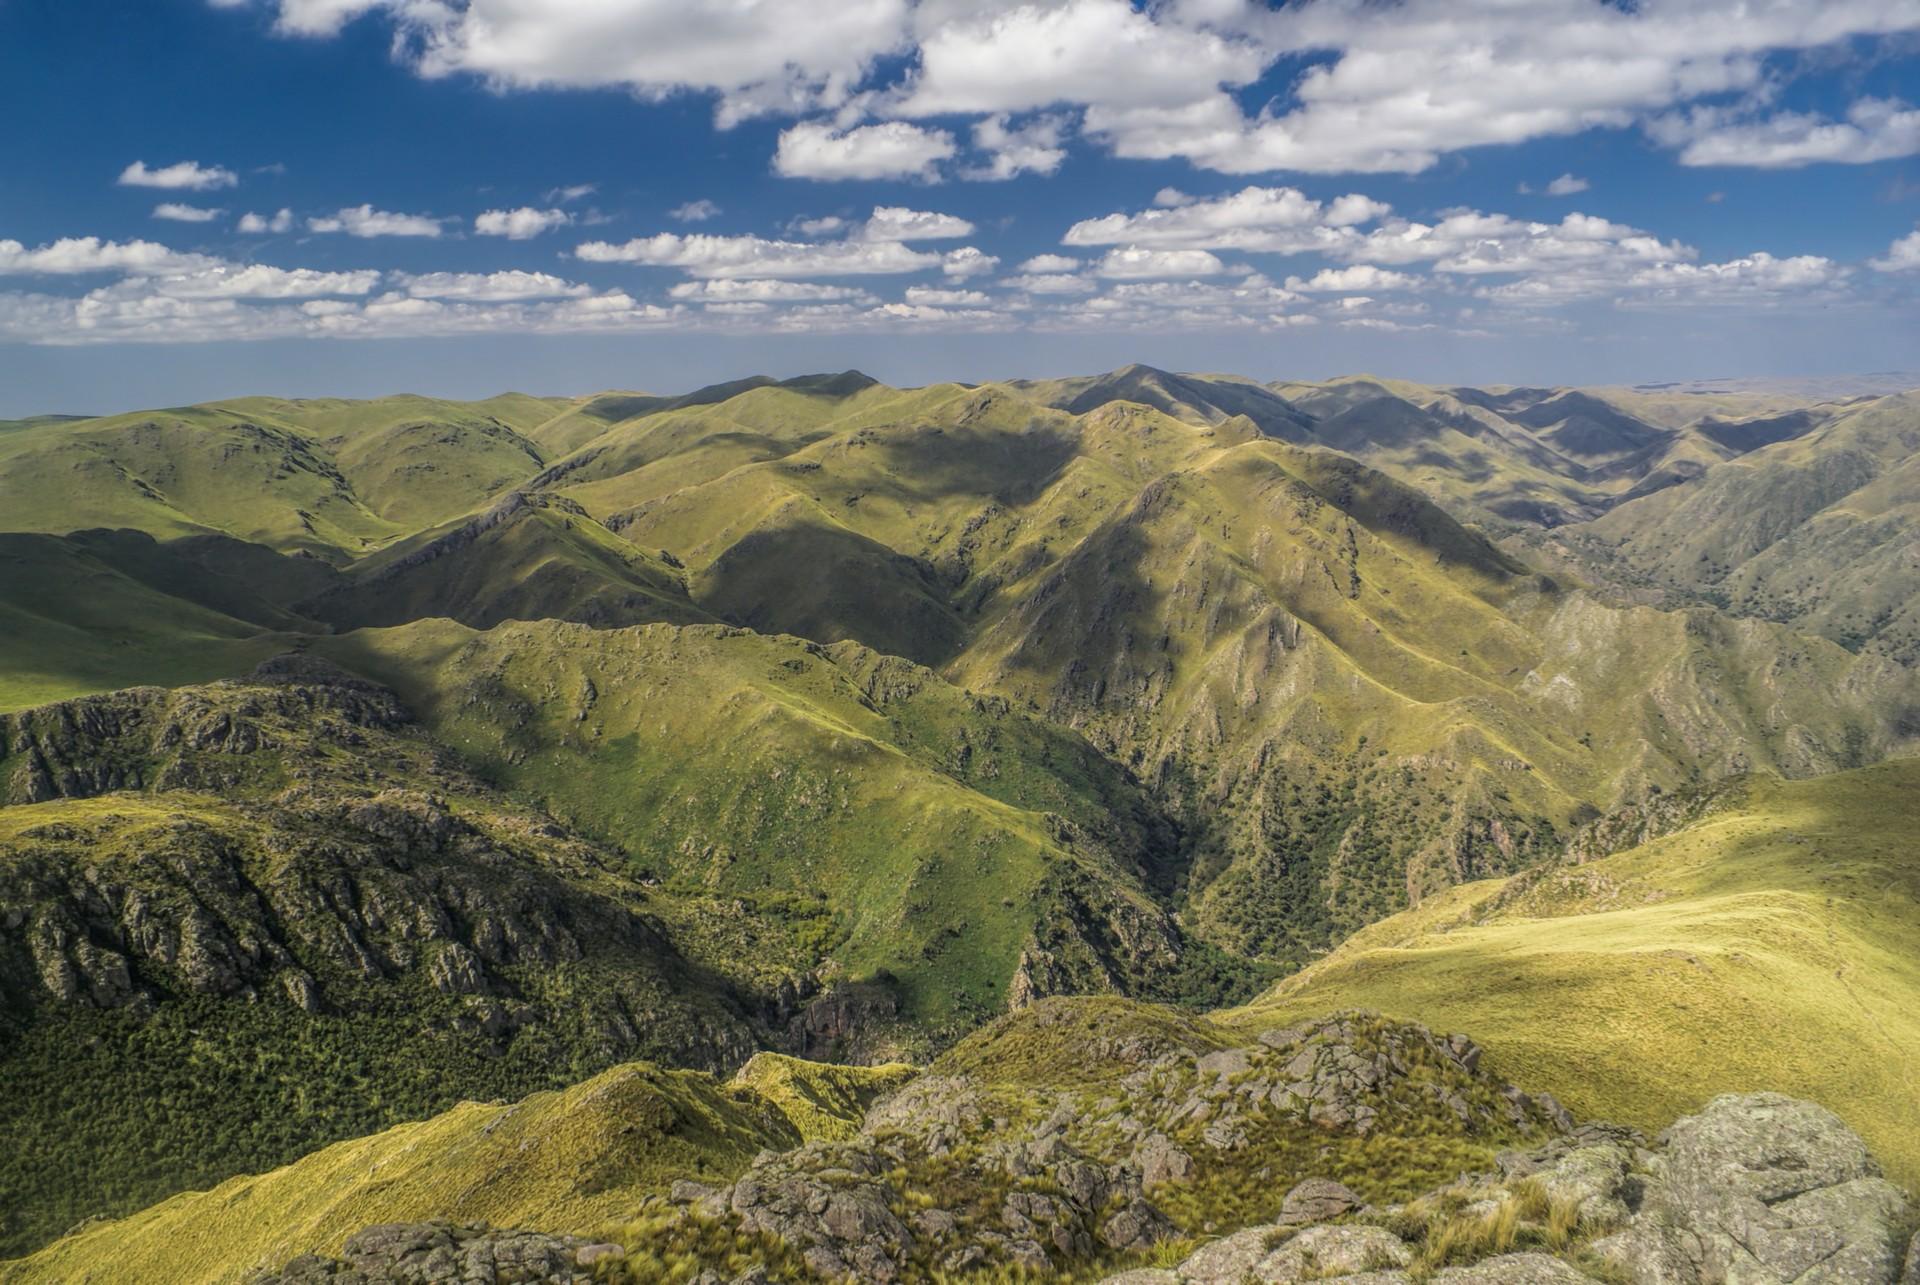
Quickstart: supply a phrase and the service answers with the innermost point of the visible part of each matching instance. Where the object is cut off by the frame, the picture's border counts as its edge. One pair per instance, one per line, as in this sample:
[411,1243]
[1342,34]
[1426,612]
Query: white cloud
[1281,220]
[234,281]
[1359,276]
[175,212]
[1032,148]
[365,221]
[1051,283]
[932,297]
[491,287]
[825,225]
[1133,261]
[968,261]
[256,224]
[568,195]
[516,225]
[1755,279]
[896,223]
[187,176]
[752,256]
[72,255]
[1052,263]
[1567,185]
[758,56]
[1363,86]
[1902,256]
[1172,198]
[1468,241]
[727,290]
[694,211]
[1876,129]
[894,149]
[1006,58]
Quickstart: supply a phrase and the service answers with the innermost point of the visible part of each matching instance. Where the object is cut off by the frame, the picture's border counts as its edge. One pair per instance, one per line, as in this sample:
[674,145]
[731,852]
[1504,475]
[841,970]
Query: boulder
[1514,1269]
[1316,1200]
[1320,1253]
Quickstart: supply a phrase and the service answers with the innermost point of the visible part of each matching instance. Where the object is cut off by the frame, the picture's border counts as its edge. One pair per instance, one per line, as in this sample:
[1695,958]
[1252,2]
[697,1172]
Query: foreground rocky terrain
[938,1184]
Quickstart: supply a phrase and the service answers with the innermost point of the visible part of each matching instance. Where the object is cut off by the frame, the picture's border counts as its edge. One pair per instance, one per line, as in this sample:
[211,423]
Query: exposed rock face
[437,1252]
[1756,1189]
[1762,1187]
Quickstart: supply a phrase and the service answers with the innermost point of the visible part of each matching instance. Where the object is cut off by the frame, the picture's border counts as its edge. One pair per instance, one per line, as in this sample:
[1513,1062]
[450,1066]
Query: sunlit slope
[329,476]
[570,1161]
[932,832]
[1774,944]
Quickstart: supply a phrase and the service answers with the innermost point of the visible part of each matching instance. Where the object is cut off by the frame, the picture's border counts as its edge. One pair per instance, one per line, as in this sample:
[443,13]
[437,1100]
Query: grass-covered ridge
[1773,944]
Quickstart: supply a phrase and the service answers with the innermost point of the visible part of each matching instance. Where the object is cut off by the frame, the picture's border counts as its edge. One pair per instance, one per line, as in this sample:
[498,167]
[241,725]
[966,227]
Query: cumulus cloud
[365,221]
[1143,261]
[1051,283]
[188,176]
[694,211]
[1279,220]
[1000,58]
[1902,256]
[752,256]
[175,212]
[1360,86]
[1052,263]
[728,290]
[1359,276]
[82,254]
[968,261]
[894,149]
[934,297]
[1876,129]
[491,287]
[516,225]
[251,281]
[756,57]
[257,224]
[1567,185]
[896,223]
[1032,148]
[568,195]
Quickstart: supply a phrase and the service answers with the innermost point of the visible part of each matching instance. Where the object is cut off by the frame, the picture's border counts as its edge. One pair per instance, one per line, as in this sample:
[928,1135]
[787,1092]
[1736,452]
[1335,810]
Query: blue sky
[459,196]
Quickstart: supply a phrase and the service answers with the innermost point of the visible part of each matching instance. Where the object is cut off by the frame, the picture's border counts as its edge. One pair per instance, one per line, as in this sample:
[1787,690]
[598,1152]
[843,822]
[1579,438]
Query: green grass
[1773,945]
[575,1160]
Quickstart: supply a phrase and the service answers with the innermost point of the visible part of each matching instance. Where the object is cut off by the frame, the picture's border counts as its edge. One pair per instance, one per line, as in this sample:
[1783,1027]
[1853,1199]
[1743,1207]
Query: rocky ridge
[958,1177]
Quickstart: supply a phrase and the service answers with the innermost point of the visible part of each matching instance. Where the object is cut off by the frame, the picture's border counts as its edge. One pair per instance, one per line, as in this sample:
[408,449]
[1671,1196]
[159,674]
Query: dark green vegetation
[835,719]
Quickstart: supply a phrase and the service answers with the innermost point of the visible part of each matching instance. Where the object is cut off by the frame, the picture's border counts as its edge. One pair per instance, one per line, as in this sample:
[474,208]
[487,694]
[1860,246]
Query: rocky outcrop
[1756,1189]
[441,1253]
[1762,1187]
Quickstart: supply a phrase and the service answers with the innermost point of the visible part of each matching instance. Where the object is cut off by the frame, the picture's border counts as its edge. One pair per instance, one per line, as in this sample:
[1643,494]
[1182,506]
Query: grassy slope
[571,1161]
[70,623]
[740,765]
[1817,530]
[1773,945]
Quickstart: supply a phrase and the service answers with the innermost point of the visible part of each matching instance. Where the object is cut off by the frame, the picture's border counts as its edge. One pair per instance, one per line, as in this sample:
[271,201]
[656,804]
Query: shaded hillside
[1818,531]
[245,919]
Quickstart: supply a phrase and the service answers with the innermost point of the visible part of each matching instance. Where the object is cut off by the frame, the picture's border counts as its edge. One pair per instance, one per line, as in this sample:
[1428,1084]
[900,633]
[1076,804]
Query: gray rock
[1514,1269]
[1230,1260]
[1594,1180]
[1159,1160]
[1911,1276]
[1143,1276]
[1768,1187]
[1316,1200]
[1329,1252]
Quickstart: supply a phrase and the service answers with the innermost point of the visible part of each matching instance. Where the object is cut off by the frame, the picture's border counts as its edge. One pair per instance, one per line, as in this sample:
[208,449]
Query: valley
[812,776]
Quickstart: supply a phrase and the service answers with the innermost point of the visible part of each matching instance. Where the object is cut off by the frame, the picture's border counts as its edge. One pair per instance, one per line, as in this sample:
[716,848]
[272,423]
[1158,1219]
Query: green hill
[1774,943]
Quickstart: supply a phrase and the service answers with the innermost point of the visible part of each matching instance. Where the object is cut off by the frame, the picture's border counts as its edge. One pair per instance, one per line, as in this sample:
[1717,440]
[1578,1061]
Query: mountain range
[364,758]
